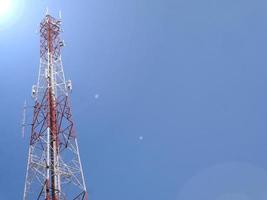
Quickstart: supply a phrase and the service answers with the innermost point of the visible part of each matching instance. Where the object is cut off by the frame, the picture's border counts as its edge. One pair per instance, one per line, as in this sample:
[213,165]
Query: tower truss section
[54,170]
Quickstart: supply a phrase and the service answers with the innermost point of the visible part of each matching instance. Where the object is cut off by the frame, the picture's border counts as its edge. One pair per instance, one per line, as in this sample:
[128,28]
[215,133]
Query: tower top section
[50,41]
[51,73]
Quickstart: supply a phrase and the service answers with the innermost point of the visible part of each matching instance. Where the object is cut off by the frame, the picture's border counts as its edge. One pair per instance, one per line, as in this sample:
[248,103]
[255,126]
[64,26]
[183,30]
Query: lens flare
[5,8]
[10,12]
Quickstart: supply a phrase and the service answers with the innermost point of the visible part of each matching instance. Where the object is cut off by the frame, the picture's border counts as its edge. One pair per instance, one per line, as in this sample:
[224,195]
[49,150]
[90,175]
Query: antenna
[24,119]
[60,14]
[37,31]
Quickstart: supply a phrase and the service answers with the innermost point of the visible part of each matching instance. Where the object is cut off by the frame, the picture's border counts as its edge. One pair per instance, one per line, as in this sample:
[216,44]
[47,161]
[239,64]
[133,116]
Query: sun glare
[5,8]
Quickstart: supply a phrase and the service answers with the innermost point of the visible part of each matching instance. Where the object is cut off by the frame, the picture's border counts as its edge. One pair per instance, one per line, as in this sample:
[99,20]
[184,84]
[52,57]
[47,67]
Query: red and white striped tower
[54,170]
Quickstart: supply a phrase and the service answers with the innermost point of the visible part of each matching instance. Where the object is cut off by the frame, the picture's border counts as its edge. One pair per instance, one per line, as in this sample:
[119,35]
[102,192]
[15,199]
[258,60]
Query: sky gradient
[188,77]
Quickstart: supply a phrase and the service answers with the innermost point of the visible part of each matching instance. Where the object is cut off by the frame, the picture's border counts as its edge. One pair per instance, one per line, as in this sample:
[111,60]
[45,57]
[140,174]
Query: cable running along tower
[54,170]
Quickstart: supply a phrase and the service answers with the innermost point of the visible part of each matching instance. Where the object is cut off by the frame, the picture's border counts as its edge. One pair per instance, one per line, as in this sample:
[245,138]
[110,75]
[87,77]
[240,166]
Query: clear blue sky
[189,76]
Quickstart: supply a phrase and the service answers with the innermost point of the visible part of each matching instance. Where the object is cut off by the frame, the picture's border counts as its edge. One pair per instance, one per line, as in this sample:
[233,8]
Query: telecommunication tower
[54,170]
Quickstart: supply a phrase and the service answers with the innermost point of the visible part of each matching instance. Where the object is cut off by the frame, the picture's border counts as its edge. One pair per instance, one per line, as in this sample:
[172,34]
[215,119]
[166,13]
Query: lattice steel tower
[54,170]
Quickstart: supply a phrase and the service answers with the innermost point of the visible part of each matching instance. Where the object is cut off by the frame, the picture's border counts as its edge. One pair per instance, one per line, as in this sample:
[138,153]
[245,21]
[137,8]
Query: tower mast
[54,170]
[52,120]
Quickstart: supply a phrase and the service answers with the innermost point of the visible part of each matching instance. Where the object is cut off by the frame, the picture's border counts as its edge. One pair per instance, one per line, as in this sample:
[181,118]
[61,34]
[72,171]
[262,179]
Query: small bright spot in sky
[5,7]
[141,137]
[96,96]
